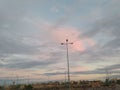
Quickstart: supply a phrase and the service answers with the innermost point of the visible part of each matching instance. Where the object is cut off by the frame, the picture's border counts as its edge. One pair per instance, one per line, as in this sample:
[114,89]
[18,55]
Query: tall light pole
[66,44]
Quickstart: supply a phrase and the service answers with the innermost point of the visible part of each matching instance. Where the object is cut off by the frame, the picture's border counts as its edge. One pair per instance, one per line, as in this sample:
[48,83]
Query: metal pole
[66,43]
[68,64]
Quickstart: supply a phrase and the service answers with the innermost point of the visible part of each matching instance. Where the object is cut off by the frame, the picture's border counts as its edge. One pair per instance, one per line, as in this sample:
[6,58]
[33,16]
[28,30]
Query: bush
[28,87]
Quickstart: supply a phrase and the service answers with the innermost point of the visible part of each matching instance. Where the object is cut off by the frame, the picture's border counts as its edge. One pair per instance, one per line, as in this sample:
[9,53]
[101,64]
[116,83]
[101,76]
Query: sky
[31,33]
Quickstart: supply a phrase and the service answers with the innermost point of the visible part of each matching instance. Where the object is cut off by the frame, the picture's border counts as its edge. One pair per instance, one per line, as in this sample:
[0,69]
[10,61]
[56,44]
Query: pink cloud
[78,68]
[61,34]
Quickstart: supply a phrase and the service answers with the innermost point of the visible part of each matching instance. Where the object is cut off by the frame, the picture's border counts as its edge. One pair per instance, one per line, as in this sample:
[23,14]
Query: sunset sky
[31,33]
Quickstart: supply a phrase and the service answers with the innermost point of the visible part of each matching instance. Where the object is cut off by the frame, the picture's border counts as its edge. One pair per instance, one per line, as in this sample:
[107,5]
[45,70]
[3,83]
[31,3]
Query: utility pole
[68,70]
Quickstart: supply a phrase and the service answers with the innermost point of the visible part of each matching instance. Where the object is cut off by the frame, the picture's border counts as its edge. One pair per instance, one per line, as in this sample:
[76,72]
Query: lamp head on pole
[66,40]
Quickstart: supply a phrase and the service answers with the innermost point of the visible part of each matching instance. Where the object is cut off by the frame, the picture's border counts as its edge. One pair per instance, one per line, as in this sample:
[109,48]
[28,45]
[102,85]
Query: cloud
[109,22]
[61,34]
[58,34]
[105,32]
[30,36]
[23,64]
[112,69]
[10,45]
[109,26]
[28,65]
[55,9]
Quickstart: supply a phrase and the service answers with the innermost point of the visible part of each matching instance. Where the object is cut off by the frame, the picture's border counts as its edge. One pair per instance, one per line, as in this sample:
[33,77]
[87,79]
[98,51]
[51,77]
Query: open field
[39,87]
[74,85]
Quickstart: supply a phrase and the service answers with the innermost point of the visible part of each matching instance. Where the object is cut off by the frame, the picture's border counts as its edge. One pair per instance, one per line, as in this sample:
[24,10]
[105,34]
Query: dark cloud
[113,44]
[14,46]
[12,28]
[23,64]
[55,73]
[21,61]
[108,26]
[110,69]
[109,23]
